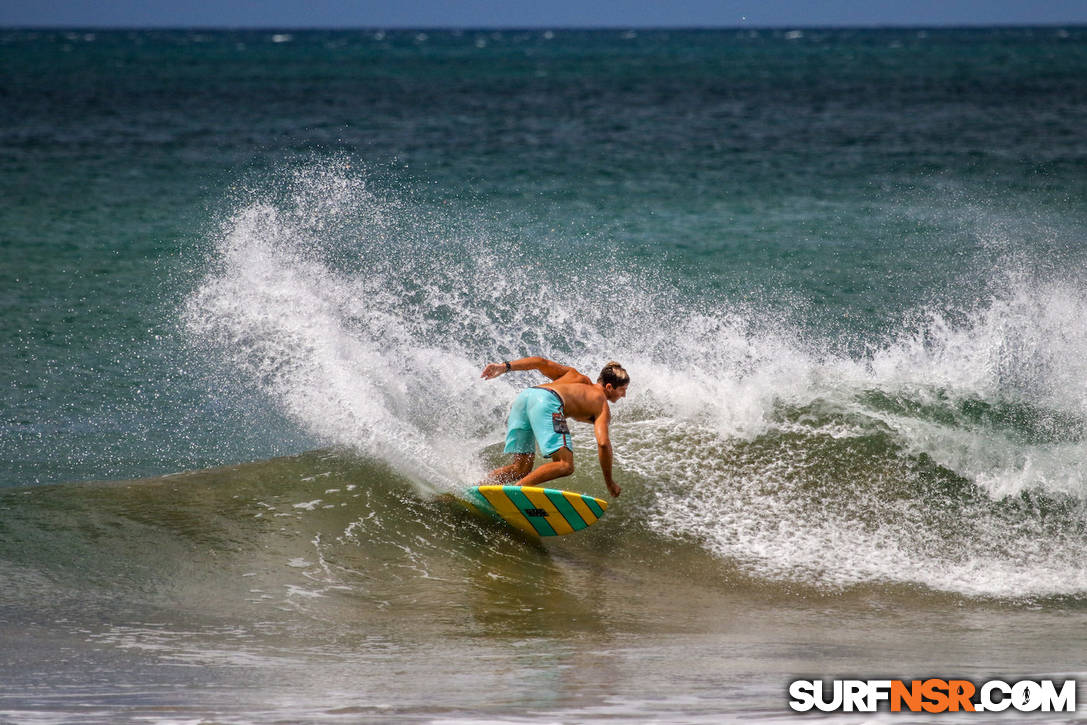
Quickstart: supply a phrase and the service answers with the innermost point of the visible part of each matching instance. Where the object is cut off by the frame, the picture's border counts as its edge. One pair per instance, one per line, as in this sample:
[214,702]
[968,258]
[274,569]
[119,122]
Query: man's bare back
[581,399]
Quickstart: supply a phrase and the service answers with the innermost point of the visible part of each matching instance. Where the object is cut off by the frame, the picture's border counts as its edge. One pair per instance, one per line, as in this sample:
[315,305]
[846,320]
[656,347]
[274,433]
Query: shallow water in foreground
[322,588]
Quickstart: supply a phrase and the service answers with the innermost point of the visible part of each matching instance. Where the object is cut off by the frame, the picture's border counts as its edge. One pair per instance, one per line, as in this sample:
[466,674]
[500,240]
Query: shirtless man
[539,416]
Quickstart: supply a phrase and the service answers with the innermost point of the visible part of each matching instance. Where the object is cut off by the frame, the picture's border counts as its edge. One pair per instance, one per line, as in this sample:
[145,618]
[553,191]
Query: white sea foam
[769,492]
[330,349]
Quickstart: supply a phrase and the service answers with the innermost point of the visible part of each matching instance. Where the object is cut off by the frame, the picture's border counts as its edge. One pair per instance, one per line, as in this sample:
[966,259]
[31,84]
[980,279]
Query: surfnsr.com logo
[932,695]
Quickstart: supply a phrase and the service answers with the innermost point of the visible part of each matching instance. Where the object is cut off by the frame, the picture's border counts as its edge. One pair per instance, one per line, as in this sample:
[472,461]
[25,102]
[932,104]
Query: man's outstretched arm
[550,368]
[603,448]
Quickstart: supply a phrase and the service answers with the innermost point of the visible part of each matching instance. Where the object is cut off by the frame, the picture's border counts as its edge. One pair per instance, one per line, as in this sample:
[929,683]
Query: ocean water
[248,281]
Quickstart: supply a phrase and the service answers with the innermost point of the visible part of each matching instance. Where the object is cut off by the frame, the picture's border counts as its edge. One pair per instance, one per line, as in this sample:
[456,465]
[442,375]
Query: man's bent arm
[550,368]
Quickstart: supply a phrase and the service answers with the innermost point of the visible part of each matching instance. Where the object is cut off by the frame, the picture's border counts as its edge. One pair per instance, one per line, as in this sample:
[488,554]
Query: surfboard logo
[535,512]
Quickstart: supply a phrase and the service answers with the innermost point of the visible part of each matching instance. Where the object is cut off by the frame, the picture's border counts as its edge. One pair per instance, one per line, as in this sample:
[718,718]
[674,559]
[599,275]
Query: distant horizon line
[546,28]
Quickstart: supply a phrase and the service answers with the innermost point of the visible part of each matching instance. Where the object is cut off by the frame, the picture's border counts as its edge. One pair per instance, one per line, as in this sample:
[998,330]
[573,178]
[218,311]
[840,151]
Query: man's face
[613,394]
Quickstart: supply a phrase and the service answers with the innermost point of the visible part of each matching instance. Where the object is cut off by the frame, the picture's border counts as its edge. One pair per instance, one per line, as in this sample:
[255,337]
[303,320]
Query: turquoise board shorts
[537,417]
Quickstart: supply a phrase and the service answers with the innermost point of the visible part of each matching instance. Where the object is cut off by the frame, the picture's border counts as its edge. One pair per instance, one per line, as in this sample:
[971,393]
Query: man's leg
[562,464]
[506,475]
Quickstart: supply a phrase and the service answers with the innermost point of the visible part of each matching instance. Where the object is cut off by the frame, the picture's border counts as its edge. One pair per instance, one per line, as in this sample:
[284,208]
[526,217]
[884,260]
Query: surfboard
[537,511]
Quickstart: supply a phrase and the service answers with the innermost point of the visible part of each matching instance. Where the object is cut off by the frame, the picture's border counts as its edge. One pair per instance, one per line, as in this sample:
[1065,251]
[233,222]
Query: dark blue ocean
[248,280]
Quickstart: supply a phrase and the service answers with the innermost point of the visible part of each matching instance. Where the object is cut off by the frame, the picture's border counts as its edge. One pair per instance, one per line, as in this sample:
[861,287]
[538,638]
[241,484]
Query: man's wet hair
[614,373]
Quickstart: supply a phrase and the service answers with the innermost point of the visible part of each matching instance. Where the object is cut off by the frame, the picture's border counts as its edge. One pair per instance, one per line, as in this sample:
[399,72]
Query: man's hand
[613,488]
[493,370]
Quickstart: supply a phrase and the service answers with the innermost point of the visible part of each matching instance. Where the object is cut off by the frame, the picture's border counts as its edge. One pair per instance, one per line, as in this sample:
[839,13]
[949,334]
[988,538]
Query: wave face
[946,452]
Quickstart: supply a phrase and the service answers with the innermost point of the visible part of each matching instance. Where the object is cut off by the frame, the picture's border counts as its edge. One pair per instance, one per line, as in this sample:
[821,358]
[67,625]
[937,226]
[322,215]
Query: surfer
[538,415]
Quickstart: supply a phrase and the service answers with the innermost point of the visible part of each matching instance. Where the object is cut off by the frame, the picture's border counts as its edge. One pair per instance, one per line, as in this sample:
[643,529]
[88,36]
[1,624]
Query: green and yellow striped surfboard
[537,511]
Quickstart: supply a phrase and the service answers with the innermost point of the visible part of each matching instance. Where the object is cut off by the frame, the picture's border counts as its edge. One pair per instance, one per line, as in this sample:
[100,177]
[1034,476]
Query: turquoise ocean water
[248,281]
